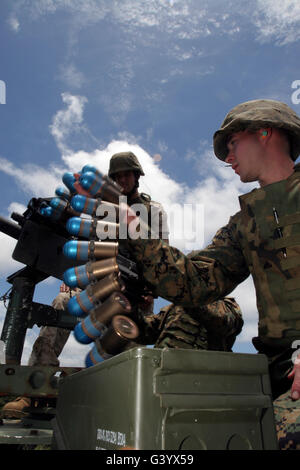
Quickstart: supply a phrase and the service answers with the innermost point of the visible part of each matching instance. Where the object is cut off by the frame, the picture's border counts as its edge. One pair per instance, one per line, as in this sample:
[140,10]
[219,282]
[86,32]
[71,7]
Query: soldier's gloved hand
[78,187]
[64,288]
[295,375]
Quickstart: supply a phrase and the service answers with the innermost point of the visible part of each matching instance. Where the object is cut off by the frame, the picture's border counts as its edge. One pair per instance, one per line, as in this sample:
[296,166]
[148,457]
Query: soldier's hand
[64,288]
[77,186]
[295,375]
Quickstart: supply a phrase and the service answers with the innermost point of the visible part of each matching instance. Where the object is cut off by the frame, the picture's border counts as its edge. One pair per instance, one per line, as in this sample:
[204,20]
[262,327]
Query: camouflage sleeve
[223,321]
[199,278]
[212,326]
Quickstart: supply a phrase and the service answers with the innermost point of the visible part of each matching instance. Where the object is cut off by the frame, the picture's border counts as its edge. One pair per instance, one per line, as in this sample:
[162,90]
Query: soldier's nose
[230,157]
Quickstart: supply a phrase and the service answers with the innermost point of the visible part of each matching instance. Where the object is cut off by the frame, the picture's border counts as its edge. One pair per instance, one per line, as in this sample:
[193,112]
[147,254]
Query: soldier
[260,139]
[172,327]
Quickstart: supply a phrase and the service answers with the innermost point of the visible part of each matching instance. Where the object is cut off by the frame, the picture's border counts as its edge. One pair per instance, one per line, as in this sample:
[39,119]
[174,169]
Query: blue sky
[86,79]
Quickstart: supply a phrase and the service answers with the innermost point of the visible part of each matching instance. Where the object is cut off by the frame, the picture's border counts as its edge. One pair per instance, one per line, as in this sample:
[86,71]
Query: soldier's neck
[278,168]
[133,196]
[276,176]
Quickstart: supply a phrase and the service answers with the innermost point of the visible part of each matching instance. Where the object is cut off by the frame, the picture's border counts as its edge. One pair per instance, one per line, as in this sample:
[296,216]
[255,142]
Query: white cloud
[246,298]
[7,243]
[218,190]
[16,207]
[74,353]
[67,121]
[278,20]
[32,179]
[7,264]
[72,77]
[14,24]
[184,20]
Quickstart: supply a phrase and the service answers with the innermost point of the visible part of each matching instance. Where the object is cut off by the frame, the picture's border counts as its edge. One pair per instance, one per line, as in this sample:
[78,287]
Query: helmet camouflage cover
[253,115]
[124,161]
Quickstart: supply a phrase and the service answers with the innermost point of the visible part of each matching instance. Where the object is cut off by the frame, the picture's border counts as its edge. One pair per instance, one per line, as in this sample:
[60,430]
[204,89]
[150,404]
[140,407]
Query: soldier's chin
[247,179]
[126,191]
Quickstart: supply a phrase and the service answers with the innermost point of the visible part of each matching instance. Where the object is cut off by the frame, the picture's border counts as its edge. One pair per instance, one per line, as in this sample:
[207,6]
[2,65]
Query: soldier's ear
[264,133]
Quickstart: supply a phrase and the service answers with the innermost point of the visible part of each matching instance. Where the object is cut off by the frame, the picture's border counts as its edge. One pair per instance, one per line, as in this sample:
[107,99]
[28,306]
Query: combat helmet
[124,161]
[253,115]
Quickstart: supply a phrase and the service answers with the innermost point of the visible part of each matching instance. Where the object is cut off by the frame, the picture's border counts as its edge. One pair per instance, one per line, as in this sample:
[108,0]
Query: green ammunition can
[165,399]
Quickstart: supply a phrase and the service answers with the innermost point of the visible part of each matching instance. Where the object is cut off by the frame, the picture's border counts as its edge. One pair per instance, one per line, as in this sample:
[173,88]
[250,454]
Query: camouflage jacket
[249,243]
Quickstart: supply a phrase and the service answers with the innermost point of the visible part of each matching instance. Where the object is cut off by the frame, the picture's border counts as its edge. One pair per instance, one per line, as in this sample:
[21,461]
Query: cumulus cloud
[68,121]
[32,179]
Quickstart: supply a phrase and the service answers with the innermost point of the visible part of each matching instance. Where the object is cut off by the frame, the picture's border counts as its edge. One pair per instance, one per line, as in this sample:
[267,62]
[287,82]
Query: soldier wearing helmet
[260,140]
[125,169]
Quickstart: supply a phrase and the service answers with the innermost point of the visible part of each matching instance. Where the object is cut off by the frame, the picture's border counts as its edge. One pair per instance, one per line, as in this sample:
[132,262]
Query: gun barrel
[10,228]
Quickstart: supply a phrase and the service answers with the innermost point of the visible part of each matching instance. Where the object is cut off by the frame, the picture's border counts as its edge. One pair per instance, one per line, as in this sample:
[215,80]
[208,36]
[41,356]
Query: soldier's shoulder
[234,219]
[157,205]
[145,197]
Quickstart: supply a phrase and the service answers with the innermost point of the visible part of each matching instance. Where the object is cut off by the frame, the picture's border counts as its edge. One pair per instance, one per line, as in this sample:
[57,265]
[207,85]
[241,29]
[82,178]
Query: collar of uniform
[258,193]
[135,200]
[141,198]
[297,167]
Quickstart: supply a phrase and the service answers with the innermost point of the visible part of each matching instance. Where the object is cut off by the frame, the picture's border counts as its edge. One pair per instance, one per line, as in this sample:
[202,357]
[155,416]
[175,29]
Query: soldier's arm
[199,278]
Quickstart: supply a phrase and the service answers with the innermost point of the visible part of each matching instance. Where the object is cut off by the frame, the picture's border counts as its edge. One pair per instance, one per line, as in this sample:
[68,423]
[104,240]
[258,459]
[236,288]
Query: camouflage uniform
[176,327]
[249,243]
[51,340]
